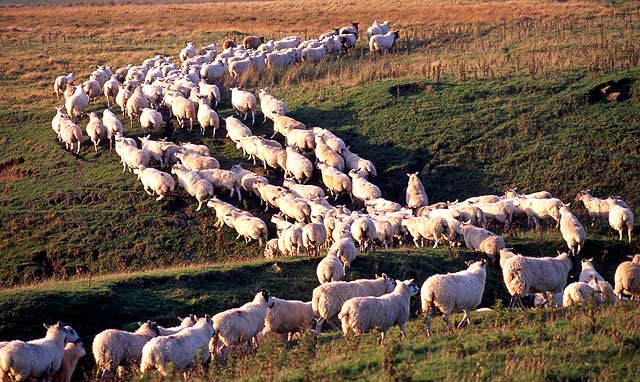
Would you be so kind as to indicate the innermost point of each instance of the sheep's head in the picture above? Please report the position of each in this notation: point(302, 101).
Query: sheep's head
point(265, 295)
point(511, 193)
point(409, 285)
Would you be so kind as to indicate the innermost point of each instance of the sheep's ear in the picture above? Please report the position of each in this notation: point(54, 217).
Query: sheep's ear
point(140, 323)
point(384, 275)
point(589, 260)
point(468, 262)
point(180, 318)
point(46, 326)
point(568, 204)
point(558, 252)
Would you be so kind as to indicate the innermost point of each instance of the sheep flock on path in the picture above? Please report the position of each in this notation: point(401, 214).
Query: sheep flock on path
point(306, 222)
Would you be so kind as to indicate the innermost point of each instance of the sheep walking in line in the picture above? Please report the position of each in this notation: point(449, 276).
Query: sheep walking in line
point(362, 314)
point(454, 292)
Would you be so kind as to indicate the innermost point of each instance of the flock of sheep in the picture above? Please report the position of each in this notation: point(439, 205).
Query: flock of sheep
point(305, 222)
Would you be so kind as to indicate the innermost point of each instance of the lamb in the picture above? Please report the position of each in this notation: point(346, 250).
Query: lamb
point(225, 179)
point(479, 239)
point(571, 229)
point(196, 162)
point(314, 235)
point(271, 250)
point(135, 104)
point(181, 350)
point(243, 102)
point(354, 162)
point(454, 292)
point(92, 88)
point(130, 155)
point(187, 52)
point(579, 293)
point(301, 139)
point(60, 84)
point(330, 268)
point(95, 130)
point(361, 188)
point(195, 186)
point(76, 103)
point(361, 314)
point(363, 230)
point(328, 298)
point(186, 322)
point(113, 348)
point(335, 181)
point(627, 278)
point(234, 326)
point(70, 133)
point(303, 190)
point(298, 166)
point(112, 125)
point(72, 354)
point(236, 129)
point(270, 105)
point(529, 275)
point(37, 359)
point(288, 317)
point(598, 208)
point(155, 181)
point(283, 125)
point(150, 119)
point(620, 218)
point(248, 227)
point(383, 43)
point(416, 196)
point(324, 154)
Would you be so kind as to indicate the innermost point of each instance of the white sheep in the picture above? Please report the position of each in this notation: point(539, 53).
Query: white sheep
point(383, 43)
point(112, 125)
point(305, 191)
point(60, 84)
point(72, 354)
point(70, 133)
point(620, 218)
point(423, 228)
point(362, 314)
point(579, 293)
point(150, 119)
point(212, 92)
point(113, 348)
point(110, 90)
point(188, 51)
point(469, 213)
point(225, 179)
point(92, 88)
point(221, 209)
point(298, 166)
point(572, 231)
point(500, 211)
point(479, 239)
point(199, 188)
point(196, 149)
point(207, 117)
point(416, 195)
point(328, 298)
point(290, 241)
point(363, 230)
point(269, 194)
point(122, 97)
point(301, 139)
point(76, 103)
point(314, 236)
point(330, 268)
point(288, 317)
point(236, 129)
point(197, 162)
point(335, 181)
point(95, 130)
point(36, 359)
point(183, 109)
point(355, 162)
point(270, 105)
point(243, 102)
point(335, 143)
point(283, 124)
point(135, 103)
point(529, 275)
point(181, 350)
point(243, 324)
point(361, 188)
point(589, 272)
point(155, 181)
point(454, 292)
point(248, 227)
point(186, 322)
point(381, 206)
point(627, 278)
point(56, 122)
point(325, 154)
point(293, 207)
point(541, 209)
point(597, 208)
point(130, 155)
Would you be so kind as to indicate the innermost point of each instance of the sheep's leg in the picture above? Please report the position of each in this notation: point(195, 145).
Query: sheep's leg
point(464, 319)
point(146, 189)
point(445, 317)
point(428, 321)
point(191, 125)
point(512, 303)
point(620, 232)
point(199, 205)
point(159, 198)
point(403, 332)
point(253, 117)
point(319, 325)
point(629, 231)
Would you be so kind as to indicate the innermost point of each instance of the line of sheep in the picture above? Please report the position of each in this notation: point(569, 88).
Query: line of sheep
point(361, 306)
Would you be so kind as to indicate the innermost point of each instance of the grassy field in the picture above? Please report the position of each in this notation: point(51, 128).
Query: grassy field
point(478, 97)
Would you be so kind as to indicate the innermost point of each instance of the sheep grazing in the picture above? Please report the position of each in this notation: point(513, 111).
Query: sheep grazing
point(328, 298)
point(288, 317)
point(335, 181)
point(479, 239)
point(113, 348)
point(627, 278)
point(182, 350)
point(76, 103)
point(95, 130)
point(150, 119)
point(37, 359)
point(362, 314)
point(207, 117)
point(155, 182)
point(60, 84)
point(234, 327)
point(70, 133)
point(572, 231)
point(187, 52)
point(416, 196)
point(330, 268)
point(579, 293)
point(383, 43)
point(248, 227)
point(186, 322)
point(72, 354)
point(199, 188)
point(112, 125)
point(270, 105)
point(243, 102)
point(530, 275)
point(252, 42)
point(454, 292)
point(345, 250)
point(620, 218)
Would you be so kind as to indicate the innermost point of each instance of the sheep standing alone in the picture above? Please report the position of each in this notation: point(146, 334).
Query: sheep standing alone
point(37, 359)
point(328, 298)
point(627, 278)
point(361, 314)
point(181, 350)
point(288, 317)
point(620, 218)
point(330, 268)
point(416, 196)
point(454, 292)
point(572, 231)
